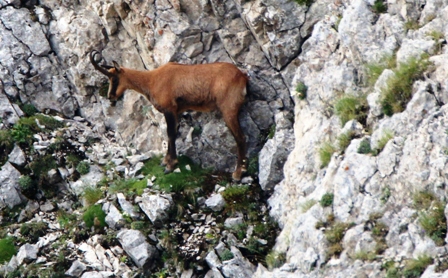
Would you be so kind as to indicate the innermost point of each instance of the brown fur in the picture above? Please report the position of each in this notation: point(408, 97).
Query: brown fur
point(175, 88)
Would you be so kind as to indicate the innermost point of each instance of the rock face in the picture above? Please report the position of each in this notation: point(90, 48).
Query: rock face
point(327, 47)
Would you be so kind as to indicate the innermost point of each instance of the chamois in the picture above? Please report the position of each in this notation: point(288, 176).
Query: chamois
point(174, 88)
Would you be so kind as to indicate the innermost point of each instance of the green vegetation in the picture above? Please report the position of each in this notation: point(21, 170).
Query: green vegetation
point(434, 222)
point(41, 165)
point(275, 259)
point(301, 90)
point(364, 147)
point(83, 167)
point(383, 140)
point(327, 200)
point(415, 267)
point(345, 139)
point(307, 205)
point(326, 151)
point(374, 70)
point(385, 194)
point(411, 24)
point(365, 256)
point(271, 132)
point(176, 182)
point(398, 91)
point(431, 216)
point(438, 38)
point(379, 7)
point(22, 134)
point(6, 145)
point(350, 107)
point(27, 185)
point(334, 235)
point(94, 216)
point(32, 231)
point(236, 197)
point(92, 195)
point(29, 109)
point(304, 2)
point(7, 249)
point(128, 186)
point(226, 255)
point(252, 168)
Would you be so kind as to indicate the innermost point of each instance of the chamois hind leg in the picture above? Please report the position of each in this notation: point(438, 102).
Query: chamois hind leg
point(234, 126)
point(170, 159)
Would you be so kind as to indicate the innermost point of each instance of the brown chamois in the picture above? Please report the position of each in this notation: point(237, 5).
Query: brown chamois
point(174, 88)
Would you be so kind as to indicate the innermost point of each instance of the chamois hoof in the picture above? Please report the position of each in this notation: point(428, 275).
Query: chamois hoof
point(236, 176)
point(167, 171)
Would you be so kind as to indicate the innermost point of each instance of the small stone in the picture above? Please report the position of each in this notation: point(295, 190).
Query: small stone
point(177, 170)
point(215, 202)
point(76, 269)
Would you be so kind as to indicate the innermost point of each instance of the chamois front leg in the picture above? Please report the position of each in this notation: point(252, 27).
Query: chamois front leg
point(234, 126)
point(170, 160)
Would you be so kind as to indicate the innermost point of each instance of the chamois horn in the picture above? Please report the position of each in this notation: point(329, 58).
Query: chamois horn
point(98, 67)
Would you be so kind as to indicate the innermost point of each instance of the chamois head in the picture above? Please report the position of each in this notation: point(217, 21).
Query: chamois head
point(113, 73)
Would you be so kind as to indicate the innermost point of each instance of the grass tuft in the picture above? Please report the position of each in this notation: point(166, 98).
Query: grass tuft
point(7, 249)
point(176, 182)
point(326, 151)
point(94, 216)
point(351, 107)
point(398, 91)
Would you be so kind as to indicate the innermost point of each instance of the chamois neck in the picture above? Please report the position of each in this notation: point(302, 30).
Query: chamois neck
point(136, 80)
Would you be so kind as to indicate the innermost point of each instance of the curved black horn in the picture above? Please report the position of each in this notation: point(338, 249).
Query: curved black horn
point(98, 67)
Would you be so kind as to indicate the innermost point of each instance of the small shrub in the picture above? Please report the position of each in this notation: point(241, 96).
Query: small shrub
point(434, 222)
point(334, 235)
point(26, 184)
point(22, 134)
point(41, 165)
point(236, 197)
point(7, 249)
point(327, 200)
point(83, 167)
point(422, 200)
point(379, 7)
point(326, 151)
point(239, 231)
point(411, 25)
point(365, 256)
point(374, 70)
point(176, 182)
point(301, 90)
point(384, 139)
point(94, 216)
point(226, 255)
point(345, 139)
point(252, 168)
point(129, 186)
point(304, 2)
point(72, 160)
point(385, 194)
point(29, 109)
point(34, 230)
point(438, 38)
point(398, 92)
point(364, 147)
point(92, 195)
point(415, 267)
point(271, 132)
point(275, 260)
point(351, 107)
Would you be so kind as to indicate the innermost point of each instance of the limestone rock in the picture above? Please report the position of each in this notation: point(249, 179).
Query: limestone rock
point(27, 253)
point(135, 245)
point(216, 202)
point(156, 206)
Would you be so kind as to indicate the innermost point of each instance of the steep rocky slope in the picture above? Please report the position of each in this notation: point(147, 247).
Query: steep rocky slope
point(345, 114)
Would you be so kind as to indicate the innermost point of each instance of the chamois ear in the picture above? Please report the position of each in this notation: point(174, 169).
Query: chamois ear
point(117, 67)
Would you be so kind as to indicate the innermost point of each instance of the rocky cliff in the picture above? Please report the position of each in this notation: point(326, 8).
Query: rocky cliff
point(345, 116)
